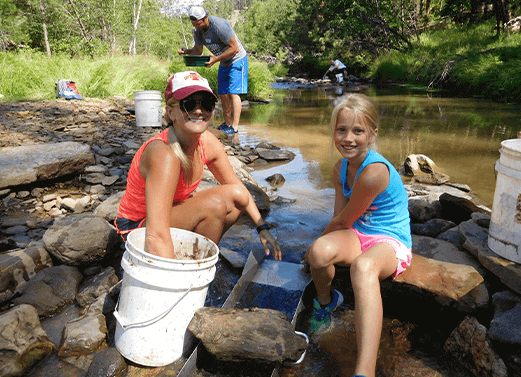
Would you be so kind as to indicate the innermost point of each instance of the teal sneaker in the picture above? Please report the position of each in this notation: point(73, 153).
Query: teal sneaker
point(320, 320)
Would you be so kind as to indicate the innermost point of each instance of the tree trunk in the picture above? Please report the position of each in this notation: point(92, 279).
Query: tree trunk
point(80, 22)
point(45, 34)
point(132, 47)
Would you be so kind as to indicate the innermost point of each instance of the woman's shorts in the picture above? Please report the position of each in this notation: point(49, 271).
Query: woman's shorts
point(403, 253)
point(125, 226)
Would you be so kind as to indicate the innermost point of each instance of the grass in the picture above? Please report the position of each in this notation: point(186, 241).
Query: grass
point(32, 76)
point(471, 61)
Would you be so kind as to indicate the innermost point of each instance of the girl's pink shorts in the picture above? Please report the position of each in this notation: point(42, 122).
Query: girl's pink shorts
point(403, 253)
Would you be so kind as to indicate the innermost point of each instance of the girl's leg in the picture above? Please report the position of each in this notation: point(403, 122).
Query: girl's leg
point(340, 247)
point(211, 212)
point(375, 264)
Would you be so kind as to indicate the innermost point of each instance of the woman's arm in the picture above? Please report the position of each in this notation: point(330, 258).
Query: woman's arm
point(373, 180)
point(222, 170)
point(161, 170)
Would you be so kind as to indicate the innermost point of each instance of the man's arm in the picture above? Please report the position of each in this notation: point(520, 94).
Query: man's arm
point(196, 50)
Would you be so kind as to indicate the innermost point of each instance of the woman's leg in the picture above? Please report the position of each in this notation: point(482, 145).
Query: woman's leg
point(375, 264)
point(340, 247)
point(211, 212)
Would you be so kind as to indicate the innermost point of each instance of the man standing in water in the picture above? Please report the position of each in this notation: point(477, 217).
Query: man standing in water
point(219, 37)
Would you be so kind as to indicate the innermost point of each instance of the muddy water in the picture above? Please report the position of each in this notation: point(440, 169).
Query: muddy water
point(462, 136)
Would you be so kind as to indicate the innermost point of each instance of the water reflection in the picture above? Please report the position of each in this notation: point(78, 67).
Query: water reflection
point(462, 136)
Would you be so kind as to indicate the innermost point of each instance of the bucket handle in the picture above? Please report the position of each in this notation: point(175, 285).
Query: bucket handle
point(150, 321)
point(303, 354)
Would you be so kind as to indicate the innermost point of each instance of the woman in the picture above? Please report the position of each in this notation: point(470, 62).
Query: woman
point(168, 168)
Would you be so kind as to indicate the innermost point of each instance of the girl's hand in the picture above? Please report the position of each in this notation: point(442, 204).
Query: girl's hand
point(268, 239)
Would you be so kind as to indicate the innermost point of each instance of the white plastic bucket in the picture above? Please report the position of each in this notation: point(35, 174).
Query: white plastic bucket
point(504, 237)
point(147, 104)
point(159, 297)
point(339, 77)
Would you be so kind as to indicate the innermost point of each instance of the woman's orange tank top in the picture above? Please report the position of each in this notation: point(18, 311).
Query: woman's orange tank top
point(132, 205)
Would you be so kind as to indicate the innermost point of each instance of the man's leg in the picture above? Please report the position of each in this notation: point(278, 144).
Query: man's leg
point(226, 102)
point(237, 108)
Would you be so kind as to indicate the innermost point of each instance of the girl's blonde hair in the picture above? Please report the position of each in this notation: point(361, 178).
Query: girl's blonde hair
point(173, 141)
point(364, 111)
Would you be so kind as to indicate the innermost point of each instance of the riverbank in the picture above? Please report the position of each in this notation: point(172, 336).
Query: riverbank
point(456, 275)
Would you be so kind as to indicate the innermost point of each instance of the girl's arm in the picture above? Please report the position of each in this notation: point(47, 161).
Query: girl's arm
point(373, 180)
point(161, 170)
point(222, 170)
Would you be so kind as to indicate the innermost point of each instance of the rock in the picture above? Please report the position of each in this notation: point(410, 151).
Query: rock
point(51, 289)
point(81, 239)
point(432, 178)
point(260, 197)
point(451, 275)
point(83, 335)
point(432, 228)
point(476, 243)
point(416, 164)
point(17, 267)
point(108, 363)
point(275, 155)
point(108, 209)
point(459, 208)
point(96, 286)
point(505, 327)
point(276, 180)
point(468, 343)
point(28, 164)
point(264, 334)
point(421, 210)
point(22, 340)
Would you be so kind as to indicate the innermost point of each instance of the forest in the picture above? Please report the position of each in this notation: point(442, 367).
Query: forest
point(434, 43)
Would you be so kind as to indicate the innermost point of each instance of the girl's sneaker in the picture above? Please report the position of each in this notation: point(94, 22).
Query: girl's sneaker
point(320, 320)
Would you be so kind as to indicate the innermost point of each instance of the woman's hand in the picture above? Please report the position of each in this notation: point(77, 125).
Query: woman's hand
point(268, 239)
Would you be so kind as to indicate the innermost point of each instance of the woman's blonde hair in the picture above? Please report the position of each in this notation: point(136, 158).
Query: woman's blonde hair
point(364, 111)
point(173, 141)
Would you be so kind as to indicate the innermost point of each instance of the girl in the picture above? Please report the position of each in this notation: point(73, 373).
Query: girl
point(168, 168)
point(369, 231)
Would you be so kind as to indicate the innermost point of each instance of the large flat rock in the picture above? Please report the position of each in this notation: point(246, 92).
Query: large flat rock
point(31, 163)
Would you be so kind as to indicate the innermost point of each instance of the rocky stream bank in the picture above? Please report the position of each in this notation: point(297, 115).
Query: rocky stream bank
point(63, 170)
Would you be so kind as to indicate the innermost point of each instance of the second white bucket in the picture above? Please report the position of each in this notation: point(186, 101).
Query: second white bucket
point(147, 104)
point(159, 297)
point(504, 234)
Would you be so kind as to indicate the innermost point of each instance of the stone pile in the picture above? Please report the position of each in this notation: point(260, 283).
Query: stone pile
point(59, 252)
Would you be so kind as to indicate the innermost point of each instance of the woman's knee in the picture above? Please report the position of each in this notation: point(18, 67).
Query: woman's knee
point(241, 197)
point(215, 205)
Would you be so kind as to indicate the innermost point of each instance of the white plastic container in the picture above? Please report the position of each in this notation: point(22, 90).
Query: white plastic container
point(504, 236)
point(339, 77)
point(147, 104)
point(159, 297)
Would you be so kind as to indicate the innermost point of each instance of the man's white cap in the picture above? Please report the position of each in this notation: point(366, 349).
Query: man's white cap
point(197, 12)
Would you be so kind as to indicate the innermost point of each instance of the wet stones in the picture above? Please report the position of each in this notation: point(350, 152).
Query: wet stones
point(19, 266)
point(51, 289)
point(22, 340)
point(263, 334)
point(81, 239)
point(28, 164)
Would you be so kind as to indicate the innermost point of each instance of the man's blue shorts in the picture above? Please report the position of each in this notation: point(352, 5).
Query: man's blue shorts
point(234, 78)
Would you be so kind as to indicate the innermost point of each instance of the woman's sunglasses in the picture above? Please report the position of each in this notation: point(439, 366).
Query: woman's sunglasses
point(188, 104)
